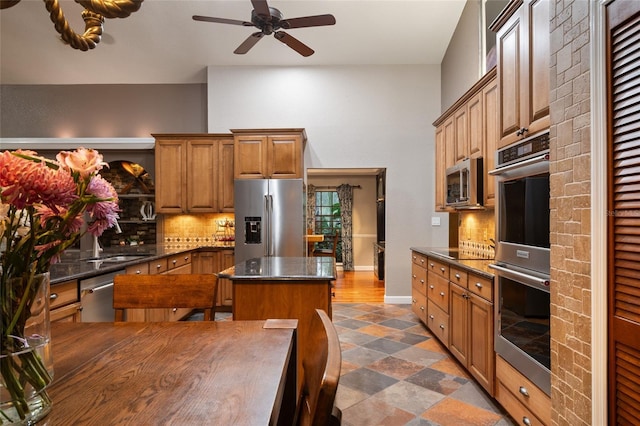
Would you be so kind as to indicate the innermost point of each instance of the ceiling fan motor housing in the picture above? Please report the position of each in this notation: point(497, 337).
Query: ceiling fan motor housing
point(268, 24)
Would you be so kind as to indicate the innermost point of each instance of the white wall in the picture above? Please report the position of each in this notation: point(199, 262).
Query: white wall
point(355, 116)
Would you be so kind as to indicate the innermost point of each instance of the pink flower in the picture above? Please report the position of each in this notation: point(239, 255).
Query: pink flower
point(83, 161)
point(26, 182)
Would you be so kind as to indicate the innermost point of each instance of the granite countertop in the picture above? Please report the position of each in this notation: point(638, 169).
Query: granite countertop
point(478, 266)
point(73, 266)
point(282, 269)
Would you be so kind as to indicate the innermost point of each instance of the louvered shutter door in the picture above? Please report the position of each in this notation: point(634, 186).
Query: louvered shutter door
point(623, 19)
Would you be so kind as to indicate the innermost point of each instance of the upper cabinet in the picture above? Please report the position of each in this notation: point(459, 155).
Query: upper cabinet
point(194, 173)
point(468, 129)
point(269, 153)
point(522, 42)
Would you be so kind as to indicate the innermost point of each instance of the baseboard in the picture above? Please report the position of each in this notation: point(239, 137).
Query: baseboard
point(397, 300)
point(363, 268)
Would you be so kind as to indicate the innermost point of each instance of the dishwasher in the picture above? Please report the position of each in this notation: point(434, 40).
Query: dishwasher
point(96, 296)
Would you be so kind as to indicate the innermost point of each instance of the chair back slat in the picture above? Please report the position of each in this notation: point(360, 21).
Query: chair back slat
point(321, 375)
point(195, 291)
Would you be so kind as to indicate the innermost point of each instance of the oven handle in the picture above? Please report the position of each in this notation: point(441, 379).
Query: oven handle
point(525, 278)
point(534, 160)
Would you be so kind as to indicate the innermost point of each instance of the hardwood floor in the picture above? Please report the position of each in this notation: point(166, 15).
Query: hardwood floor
point(358, 287)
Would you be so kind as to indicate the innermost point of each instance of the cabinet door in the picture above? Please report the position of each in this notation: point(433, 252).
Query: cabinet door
point(538, 55)
point(481, 357)
point(449, 143)
point(284, 157)
point(250, 157)
point(225, 288)
point(439, 169)
point(171, 176)
point(458, 320)
point(202, 176)
point(225, 176)
point(461, 134)
point(475, 120)
point(491, 137)
point(509, 45)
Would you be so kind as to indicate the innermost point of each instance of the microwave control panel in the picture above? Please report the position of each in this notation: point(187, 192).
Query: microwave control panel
point(523, 149)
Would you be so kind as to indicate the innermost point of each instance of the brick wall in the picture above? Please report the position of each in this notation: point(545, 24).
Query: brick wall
point(570, 213)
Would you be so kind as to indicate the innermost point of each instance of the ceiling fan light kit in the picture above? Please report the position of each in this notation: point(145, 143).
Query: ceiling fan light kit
point(269, 20)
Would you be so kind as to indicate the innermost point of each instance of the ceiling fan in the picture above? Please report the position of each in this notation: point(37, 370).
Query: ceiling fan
point(269, 21)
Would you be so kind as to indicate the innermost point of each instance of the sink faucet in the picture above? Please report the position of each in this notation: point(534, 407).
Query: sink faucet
point(96, 249)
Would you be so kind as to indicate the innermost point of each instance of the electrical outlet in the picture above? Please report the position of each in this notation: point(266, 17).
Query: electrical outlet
point(435, 221)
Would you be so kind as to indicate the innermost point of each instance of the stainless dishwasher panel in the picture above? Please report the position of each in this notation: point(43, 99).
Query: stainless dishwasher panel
point(96, 296)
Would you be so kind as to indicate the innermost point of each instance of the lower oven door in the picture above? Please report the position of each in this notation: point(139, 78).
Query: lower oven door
point(522, 324)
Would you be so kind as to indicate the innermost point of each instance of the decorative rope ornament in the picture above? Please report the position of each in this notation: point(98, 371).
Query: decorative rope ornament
point(94, 15)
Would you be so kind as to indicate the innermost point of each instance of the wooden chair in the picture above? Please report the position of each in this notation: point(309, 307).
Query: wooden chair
point(195, 291)
point(321, 373)
point(331, 252)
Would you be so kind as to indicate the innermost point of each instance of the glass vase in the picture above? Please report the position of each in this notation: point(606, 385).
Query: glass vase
point(26, 364)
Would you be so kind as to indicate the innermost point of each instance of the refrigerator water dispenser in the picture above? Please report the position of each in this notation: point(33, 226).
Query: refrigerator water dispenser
point(253, 230)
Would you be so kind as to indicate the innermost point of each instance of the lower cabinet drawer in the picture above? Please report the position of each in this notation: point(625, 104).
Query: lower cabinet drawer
point(438, 322)
point(438, 291)
point(63, 294)
point(518, 411)
point(419, 305)
point(514, 388)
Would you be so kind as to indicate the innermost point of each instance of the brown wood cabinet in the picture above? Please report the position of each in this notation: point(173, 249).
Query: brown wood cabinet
point(468, 129)
point(520, 397)
point(523, 50)
point(419, 286)
point(269, 153)
point(471, 318)
point(64, 303)
point(459, 312)
point(194, 173)
point(212, 262)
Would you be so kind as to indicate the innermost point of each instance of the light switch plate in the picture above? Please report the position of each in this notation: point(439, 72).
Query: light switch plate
point(435, 221)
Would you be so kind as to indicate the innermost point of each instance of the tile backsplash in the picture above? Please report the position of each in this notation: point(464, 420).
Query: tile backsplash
point(186, 231)
point(477, 231)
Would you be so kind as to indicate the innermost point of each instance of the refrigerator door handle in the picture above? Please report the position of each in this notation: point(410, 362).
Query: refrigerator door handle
point(266, 229)
point(269, 246)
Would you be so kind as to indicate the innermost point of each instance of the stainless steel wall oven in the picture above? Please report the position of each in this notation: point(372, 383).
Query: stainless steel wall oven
point(522, 266)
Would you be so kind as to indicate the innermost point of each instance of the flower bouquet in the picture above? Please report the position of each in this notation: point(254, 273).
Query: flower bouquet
point(43, 207)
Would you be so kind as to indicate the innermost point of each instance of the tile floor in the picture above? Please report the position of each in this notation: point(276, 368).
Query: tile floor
point(395, 373)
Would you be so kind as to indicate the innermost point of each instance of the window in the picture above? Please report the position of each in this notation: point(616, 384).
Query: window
point(327, 219)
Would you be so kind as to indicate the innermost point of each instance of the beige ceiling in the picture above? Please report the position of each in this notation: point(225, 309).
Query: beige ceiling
point(162, 44)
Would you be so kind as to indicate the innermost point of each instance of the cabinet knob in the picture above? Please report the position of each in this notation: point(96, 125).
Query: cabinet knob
point(442, 269)
point(421, 260)
point(526, 421)
point(431, 317)
point(186, 258)
point(158, 266)
point(524, 391)
point(431, 287)
point(478, 285)
point(457, 276)
point(53, 296)
point(415, 301)
point(414, 277)
point(138, 271)
point(442, 326)
point(431, 265)
point(422, 281)
point(175, 261)
point(442, 293)
point(175, 309)
point(422, 308)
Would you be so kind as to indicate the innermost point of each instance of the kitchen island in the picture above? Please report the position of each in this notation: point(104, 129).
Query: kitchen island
point(283, 287)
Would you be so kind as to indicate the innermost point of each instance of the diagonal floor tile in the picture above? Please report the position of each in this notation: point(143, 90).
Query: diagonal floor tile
point(366, 380)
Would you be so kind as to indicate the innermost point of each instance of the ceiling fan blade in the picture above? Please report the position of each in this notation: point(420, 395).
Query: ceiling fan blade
point(248, 43)
point(294, 43)
point(221, 20)
point(261, 7)
point(308, 21)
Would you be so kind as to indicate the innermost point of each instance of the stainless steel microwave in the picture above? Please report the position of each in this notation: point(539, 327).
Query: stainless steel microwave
point(464, 184)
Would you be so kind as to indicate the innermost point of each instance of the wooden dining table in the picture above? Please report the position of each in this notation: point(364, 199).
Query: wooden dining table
point(311, 240)
point(178, 373)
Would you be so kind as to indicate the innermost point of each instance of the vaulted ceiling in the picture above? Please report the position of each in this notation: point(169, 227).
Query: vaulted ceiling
point(161, 44)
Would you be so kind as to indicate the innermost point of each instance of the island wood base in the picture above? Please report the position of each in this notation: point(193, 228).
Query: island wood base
point(257, 299)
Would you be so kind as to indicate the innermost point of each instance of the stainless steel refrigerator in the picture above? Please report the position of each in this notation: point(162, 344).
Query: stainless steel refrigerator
point(269, 218)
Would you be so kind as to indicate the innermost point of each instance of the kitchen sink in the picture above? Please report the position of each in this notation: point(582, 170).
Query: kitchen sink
point(118, 258)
